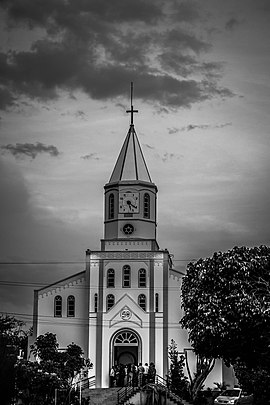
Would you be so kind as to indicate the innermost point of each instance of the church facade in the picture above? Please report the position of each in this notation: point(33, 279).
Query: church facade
point(124, 307)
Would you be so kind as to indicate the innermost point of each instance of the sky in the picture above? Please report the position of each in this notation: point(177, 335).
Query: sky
point(201, 84)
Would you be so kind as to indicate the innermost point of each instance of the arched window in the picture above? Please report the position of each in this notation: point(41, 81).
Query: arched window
point(146, 205)
point(142, 278)
point(142, 301)
point(58, 306)
point(156, 302)
point(126, 276)
point(71, 305)
point(95, 302)
point(126, 338)
point(110, 301)
point(111, 206)
point(110, 278)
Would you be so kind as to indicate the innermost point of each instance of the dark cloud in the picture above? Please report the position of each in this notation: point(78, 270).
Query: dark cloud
point(161, 110)
point(30, 149)
point(231, 24)
point(77, 114)
point(191, 127)
point(99, 46)
point(6, 98)
point(148, 146)
point(80, 114)
point(173, 130)
point(167, 156)
point(75, 13)
point(175, 38)
point(178, 63)
point(90, 156)
point(186, 11)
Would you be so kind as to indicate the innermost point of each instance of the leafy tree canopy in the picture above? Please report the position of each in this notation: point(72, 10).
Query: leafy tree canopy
point(12, 338)
point(53, 369)
point(226, 300)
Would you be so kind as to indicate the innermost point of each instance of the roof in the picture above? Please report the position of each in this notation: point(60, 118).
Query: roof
point(130, 164)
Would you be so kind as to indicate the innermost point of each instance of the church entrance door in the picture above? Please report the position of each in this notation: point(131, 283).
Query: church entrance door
point(126, 348)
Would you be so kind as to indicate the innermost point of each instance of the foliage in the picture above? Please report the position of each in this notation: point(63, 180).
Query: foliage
point(204, 367)
point(178, 380)
point(221, 386)
point(226, 299)
point(255, 380)
point(53, 369)
point(12, 339)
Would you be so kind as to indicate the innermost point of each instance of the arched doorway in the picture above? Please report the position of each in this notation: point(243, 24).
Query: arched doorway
point(125, 347)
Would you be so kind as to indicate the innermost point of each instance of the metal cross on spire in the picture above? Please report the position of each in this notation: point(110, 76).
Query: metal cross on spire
point(131, 111)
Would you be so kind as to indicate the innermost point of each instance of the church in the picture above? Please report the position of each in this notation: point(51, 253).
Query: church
point(124, 307)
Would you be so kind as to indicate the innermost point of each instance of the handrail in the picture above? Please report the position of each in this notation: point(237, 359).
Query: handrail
point(90, 381)
point(165, 384)
point(83, 384)
point(124, 392)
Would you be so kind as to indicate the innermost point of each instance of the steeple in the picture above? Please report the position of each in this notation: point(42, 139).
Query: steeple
point(130, 198)
point(130, 164)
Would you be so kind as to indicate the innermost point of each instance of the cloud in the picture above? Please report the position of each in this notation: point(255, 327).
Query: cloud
point(148, 146)
point(77, 114)
point(179, 38)
point(185, 11)
point(6, 98)
point(167, 156)
point(66, 13)
point(173, 130)
point(90, 156)
point(231, 24)
point(80, 114)
point(191, 127)
point(30, 149)
point(99, 46)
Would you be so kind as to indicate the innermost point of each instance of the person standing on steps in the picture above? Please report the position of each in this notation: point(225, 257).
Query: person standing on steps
point(145, 374)
point(152, 373)
point(112, 377)
point(140, 375)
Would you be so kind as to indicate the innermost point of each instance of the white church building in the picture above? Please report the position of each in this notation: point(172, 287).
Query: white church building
point(124, 307)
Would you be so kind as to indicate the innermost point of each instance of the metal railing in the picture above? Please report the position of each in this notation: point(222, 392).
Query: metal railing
point(125, 393)
point(166, 385)
point(81, 386)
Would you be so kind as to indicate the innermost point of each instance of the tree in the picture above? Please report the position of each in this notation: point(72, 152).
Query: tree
point(178, 381)
point(254, 380)
point(53, 369)
point(226, 301)
point(12, 339)
point(203, 368)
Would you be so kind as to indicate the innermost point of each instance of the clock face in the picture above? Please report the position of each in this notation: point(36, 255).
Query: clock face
point(128, 202)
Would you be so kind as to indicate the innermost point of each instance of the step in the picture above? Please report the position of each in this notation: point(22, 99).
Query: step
point(101, 396)
point(140, 397)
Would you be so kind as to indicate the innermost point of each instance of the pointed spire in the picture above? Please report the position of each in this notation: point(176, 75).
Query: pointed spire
point(130, 164)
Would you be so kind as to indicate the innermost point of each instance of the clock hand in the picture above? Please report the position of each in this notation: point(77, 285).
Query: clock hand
point(129, 203)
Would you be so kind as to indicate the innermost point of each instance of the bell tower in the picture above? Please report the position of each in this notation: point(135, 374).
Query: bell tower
point(130, 217)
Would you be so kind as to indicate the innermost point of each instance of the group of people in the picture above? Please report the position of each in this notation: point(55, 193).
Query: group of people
point(132, 375)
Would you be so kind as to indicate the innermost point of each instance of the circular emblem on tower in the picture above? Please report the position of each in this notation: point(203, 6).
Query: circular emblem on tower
point(128, 229)
point(125, 314)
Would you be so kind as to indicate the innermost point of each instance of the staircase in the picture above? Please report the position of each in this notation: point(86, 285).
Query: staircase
point(101, 396)
point(125, 395)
